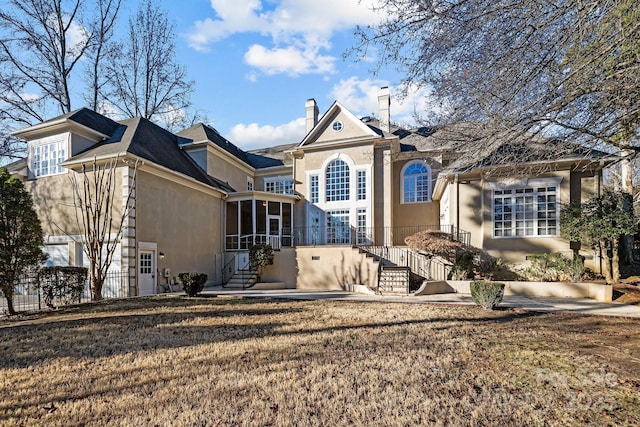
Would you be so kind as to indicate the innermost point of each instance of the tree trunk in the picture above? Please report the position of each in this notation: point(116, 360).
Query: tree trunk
point(607, 262)
point(10, 308)
point(615, 262)
point(96, 285)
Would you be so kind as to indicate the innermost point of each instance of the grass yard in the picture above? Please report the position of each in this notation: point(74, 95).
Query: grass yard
point(172, 361)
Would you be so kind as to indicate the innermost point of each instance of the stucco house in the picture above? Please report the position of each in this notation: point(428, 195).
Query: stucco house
point(353, 186)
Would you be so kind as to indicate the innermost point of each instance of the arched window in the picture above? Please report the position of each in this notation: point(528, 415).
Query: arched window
point(337, 181)
point(416, 183)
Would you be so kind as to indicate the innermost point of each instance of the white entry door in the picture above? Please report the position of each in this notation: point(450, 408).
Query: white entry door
point(147, 271)
point(273, 231)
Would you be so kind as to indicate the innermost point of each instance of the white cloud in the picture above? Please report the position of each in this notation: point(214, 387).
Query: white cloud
point(252, 76)
point(360, 96)
point(290, 60)
point(299, 30)
point(256, 136)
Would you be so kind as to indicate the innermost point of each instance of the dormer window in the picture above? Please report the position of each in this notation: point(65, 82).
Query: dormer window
point(46, 156)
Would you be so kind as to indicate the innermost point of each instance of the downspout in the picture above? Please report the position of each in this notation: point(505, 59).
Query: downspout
point(457, 182)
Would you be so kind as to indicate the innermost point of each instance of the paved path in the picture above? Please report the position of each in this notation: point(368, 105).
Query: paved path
point(573, 305)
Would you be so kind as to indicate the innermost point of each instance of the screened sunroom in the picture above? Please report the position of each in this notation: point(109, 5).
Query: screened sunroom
point(258, 217)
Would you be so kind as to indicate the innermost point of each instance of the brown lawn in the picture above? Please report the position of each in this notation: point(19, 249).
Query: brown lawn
point(172, 361)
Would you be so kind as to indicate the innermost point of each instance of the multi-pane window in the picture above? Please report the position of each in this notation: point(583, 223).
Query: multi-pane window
point(315, 189)
point(337, 181)
point(361, 183)
point(525, 212)
point(338, 230)
point(249, 184)
point(145, 263)
point(47, 158)
point(279, 186)
point(364, 234)
point(415, 179)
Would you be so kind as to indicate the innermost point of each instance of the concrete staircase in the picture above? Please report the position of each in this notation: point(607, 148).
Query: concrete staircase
point(394, 279)
point(242, 279)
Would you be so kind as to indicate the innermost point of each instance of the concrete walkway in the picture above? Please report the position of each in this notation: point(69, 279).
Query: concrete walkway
point(571, 305)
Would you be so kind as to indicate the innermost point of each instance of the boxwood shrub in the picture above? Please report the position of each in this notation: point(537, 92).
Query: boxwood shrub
point(487, 294)
point(61, 284)
point(192, 283)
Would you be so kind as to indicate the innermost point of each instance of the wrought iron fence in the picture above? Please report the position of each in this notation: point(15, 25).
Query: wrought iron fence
point(370, 236)
point(27, 295)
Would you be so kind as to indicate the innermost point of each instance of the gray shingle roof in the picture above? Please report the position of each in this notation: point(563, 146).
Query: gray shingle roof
point(88, 118)
point(271, 156)
point(149, 141)
point(258, 159)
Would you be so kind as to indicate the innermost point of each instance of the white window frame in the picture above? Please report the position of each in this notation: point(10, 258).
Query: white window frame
point(352, 204)
point(61, 143)
point(402, 179)
point(314, 188)
point(333, 196)
point(279, 184)
point(362, 173)
point(250, 183)
point(514, 187)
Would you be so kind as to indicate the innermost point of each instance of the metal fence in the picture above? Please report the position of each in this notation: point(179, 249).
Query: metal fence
point(27, 295)
point(343, 234)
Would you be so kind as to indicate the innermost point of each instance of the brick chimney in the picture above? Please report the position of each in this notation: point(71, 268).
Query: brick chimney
point(384, 105)
point(312, 113)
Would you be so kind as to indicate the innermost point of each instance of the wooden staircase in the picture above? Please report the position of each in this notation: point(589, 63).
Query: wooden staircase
point(242, 279)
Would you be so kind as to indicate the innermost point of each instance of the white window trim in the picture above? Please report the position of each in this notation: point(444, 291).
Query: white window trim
point(429, 182)
point(54, 139)
point(513, 184)
point(250, 183)
point(282, 179)
point(352, 204)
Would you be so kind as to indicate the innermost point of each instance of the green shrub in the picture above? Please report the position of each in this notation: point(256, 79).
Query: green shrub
point(261, 255)
point(554, 267)
point(487, 294)
point(64, 284)
point(192, 283)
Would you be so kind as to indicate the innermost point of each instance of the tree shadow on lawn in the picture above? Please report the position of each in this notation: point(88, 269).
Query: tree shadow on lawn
point(83, 343)
point(119, 333)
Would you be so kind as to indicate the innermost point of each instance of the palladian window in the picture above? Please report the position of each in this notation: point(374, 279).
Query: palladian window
point(337, 181)
point(416, 183)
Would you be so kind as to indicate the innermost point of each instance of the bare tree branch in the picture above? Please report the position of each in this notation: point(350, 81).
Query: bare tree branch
point(96, 199)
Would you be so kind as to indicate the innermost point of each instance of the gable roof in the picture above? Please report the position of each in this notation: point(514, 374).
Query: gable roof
point(84, 117)
point(323, 123)
point(271, 156)
point(142, 138)
point(258, 159)
point(201, 132)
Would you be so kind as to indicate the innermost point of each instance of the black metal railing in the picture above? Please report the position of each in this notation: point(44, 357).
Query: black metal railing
point(27, 295)
point(370, 236)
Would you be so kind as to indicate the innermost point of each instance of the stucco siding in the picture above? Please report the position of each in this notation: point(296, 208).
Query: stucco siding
point(184, 222)
point(227, 171)
point(54, 202)
point(334, 268)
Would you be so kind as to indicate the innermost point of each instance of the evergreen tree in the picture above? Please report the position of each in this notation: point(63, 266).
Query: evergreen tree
point(21, 235)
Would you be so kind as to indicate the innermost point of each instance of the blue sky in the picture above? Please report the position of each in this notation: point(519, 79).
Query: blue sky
point(255, 63)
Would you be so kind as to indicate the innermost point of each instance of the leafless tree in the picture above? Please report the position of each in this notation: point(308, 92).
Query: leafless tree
point(101, 209)
point(146, 80)
point(47, 47)
point(566, 68)
point(40, 46)
point(103, 28)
